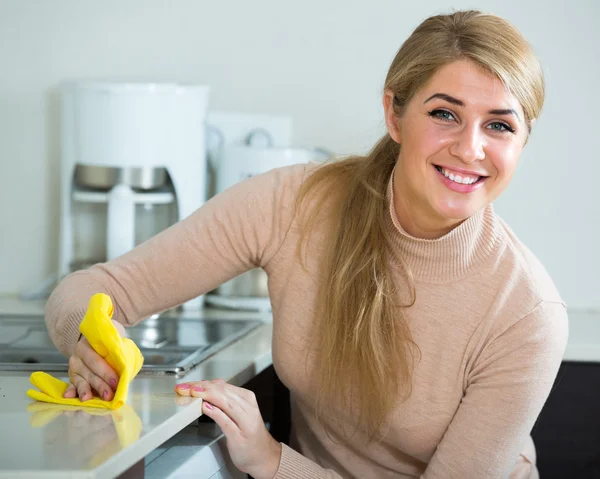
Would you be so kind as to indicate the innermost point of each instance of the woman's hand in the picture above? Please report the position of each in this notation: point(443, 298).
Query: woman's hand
point(89, 372)
point(252, 449)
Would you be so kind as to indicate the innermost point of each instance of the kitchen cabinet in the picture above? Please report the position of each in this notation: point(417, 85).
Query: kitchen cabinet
point(199, 451)
point(567, 432)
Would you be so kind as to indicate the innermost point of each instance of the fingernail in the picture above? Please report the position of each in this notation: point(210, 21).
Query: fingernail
point(105, 395)
point(113, 383)
point(208, 405)
point(184, 386)
point(199, 389)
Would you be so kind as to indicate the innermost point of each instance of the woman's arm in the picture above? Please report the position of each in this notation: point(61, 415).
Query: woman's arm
point(238, 230)
point(507, 389)
point(251, 448)
point(293, 465)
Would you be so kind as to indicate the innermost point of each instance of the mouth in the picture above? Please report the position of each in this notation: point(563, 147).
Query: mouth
point(460, 178)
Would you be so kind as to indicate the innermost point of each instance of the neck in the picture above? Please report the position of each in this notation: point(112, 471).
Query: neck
point(441, 255)
point(416, 220)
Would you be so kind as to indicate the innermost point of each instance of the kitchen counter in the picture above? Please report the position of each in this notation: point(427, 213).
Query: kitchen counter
point(43, 440)
point(47, 440)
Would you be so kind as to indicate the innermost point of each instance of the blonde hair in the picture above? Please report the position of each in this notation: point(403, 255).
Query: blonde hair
point(365, 353)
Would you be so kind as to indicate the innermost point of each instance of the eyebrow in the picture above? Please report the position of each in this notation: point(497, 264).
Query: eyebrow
point(456, 101)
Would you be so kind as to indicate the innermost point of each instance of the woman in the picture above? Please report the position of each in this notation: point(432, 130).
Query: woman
point(417, 335)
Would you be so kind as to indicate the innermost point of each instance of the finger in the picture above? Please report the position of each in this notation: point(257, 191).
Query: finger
point(84, 391)
point(79, 368)
point(244, 397)
point(229, 427)
point(227, 400)
point(97, 364)
point(71, 392)
point(183, 389)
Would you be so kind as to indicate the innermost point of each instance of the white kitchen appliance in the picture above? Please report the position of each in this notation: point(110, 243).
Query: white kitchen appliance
point(233, 164)
point(133, 162)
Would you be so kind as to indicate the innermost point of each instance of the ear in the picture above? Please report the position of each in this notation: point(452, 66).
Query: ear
point(392, 122)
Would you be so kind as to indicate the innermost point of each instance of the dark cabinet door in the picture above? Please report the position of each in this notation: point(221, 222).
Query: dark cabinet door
point(567, 433)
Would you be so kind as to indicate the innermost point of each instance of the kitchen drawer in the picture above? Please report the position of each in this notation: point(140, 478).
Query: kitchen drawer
point(199, 452)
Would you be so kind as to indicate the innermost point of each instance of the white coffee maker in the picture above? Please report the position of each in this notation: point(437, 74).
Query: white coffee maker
point(133, 162)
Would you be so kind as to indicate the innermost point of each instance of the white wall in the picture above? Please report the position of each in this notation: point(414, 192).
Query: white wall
point(322, 62)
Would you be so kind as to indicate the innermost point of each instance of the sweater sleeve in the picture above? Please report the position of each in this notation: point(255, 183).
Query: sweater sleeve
point(506, 391)
point(235, 231)
point(294, 465)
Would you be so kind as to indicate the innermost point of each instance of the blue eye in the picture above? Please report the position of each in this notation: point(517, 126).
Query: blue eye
point(443, 115)
point(502, 127)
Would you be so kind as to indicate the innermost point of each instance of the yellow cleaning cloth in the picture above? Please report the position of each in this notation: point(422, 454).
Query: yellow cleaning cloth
point(120, 353)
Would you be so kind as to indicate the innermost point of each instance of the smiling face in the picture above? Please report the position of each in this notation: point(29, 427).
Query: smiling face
point(461, 136)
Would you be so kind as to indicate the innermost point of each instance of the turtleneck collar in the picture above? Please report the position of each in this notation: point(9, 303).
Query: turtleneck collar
point(451, 256)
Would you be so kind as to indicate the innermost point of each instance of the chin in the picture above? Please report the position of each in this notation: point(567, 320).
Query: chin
point(457, 213)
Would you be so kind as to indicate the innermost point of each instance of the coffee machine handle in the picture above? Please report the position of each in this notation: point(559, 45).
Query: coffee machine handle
point(260, 138)
point(120, 231)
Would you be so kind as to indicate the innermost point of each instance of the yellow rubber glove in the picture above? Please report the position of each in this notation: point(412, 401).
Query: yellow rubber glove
point(120, 353)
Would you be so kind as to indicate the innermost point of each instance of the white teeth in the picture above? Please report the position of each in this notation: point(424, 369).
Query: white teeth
point(465, 180)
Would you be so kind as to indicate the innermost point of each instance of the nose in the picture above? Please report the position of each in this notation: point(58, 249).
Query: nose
point(469, 145)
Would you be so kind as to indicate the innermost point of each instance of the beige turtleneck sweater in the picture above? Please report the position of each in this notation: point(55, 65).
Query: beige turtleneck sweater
point(488, 321)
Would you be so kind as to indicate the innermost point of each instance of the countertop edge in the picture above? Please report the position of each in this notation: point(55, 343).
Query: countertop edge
point(146, 444)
